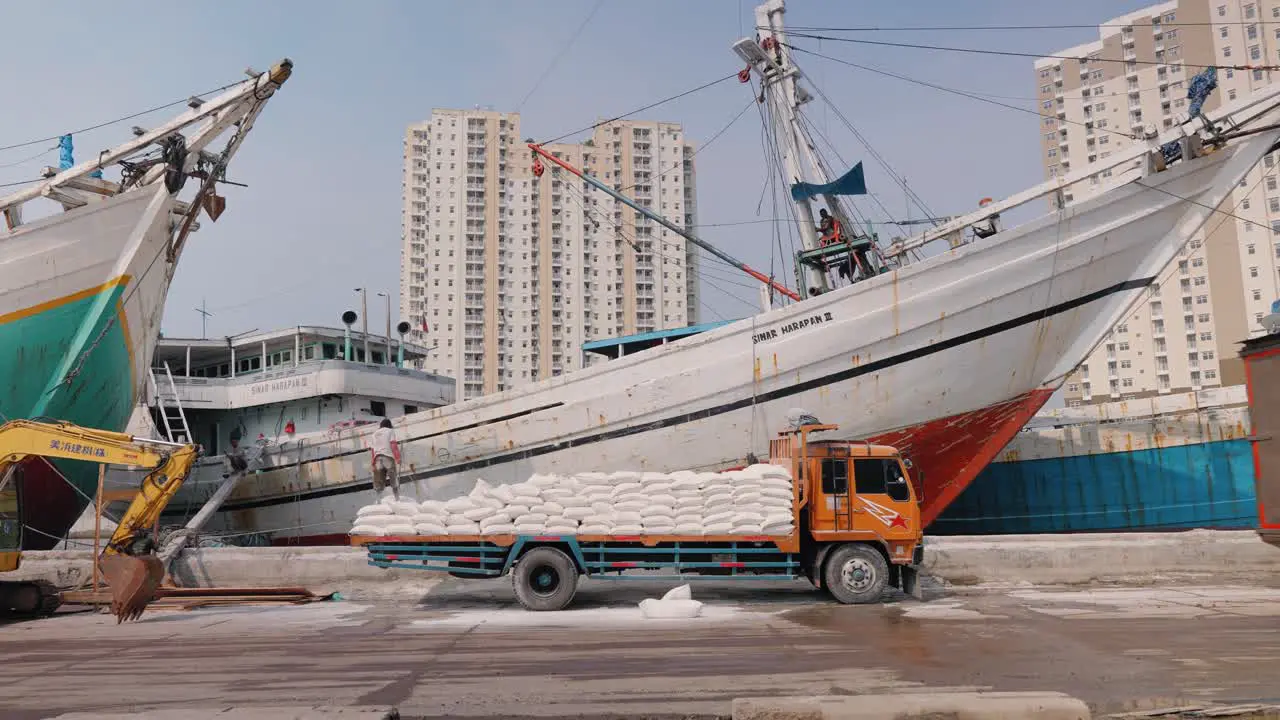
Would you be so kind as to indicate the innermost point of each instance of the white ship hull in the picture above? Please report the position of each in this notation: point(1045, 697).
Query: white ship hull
point(946, 358)
point(82, 291)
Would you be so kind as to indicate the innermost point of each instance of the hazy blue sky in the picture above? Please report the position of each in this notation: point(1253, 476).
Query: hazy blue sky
point(321, 214)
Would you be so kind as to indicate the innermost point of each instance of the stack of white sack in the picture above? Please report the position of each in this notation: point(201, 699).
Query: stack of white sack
point(388, 517)
point(753, 501)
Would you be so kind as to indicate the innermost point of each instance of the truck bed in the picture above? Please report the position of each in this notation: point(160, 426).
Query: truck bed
point(757, 556)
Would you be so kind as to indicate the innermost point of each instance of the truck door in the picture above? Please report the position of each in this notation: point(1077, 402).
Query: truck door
point(833, 509)
point(883, 495)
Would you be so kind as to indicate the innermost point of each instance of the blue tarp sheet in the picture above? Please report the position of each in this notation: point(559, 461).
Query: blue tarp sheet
point(853, 183)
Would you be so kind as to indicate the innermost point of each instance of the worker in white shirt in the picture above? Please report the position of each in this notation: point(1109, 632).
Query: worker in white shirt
point(386, 459)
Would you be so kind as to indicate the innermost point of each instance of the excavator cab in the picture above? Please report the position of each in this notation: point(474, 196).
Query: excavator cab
point(128, 561)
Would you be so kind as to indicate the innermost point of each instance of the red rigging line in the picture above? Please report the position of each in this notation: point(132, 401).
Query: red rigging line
point(538, 169)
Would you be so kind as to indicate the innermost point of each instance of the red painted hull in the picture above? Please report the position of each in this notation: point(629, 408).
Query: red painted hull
point(50, 505)
point(946, 454)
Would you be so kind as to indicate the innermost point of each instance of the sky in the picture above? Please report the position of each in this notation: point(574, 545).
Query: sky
point(321, 214)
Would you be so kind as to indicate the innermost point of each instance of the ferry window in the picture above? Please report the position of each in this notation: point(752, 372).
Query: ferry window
point(835, 476)
point(410, 409)
point(377, 407)
point(330, 351)
point(224, 369)
point(255, 363)
point(880, 476)
point(286, 356)
point(309, 352)
point(377, 357)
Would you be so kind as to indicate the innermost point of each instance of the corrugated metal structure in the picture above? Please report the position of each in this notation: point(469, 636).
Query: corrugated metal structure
point(1164, 463)
point(1262, 367)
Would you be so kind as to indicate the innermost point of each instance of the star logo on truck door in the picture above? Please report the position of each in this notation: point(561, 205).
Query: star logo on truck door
point(891, 518)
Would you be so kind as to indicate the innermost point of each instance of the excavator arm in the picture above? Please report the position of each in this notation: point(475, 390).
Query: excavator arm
point(128, 561)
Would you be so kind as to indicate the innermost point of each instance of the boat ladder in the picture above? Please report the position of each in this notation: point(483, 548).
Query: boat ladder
point(171, 412)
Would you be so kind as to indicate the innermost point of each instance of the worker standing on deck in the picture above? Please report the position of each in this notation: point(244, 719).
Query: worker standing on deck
point(386, 458)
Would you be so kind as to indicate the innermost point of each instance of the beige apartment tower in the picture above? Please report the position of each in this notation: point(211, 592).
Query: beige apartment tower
point(1183, 335)
point(507, 274)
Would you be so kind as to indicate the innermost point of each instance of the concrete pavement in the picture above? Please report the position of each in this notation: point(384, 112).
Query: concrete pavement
point(466, 650)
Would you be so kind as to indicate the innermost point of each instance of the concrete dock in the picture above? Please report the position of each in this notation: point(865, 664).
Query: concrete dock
point(464, 649)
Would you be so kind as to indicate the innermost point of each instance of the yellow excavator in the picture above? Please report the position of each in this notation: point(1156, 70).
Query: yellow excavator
point(128, 561)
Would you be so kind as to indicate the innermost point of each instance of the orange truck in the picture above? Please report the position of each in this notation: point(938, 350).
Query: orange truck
point(856, 531)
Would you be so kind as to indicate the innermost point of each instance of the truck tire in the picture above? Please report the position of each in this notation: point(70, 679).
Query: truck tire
point(545, 579)
point(856, 574)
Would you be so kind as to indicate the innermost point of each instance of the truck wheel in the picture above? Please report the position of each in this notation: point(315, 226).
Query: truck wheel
point(545, 579)
point(856, 574)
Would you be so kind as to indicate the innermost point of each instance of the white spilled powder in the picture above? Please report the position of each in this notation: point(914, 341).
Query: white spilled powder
point(944, 611)
point(606, 617)
point(754, 501)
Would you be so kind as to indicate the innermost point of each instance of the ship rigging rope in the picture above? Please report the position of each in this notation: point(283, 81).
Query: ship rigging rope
point(680, 163)
point(704, 272)
point(1012, 53)
point(593, 126)
point(954, 91)
point(951, 28)
point(107, 123)
point(560, 55)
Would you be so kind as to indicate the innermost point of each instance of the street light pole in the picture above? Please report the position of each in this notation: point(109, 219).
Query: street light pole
point(388, 297)
point(364, 320)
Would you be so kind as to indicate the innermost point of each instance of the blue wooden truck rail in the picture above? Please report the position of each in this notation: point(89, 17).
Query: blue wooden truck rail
point(718, 560)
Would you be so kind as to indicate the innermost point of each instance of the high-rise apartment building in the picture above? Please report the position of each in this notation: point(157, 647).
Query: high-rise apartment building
point(506, 274)
point(1135, 76)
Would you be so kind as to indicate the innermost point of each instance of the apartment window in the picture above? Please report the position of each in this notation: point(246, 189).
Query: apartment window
point(1206, 355)
point(1203, 317)
point(1253, 272)
point(1223, 32)
point(1257, 294)
point(1202, 299)
point(1231, 94)
point(1206, 336)
point(1210, 374)
point(1254, 52)
point(1197, 262)
point(1127, 382)
point(1222, 10)
point(1226, 51)
point(1126, 364)
point(1122, 329)
point(1251, 249)
point(1248, 11)
point(1122, 347)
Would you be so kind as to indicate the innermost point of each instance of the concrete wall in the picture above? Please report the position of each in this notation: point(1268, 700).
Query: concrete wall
point(1039, 559)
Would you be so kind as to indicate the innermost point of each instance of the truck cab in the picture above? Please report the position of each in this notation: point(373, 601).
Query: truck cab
point(859, 517)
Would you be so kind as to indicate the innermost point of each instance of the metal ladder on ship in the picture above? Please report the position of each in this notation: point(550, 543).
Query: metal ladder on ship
point(173, 416)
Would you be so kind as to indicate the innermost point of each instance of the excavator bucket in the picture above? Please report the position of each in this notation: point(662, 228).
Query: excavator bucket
point(134, 581)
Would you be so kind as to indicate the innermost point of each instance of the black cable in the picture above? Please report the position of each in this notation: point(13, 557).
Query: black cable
point(564, 49)
point(1012, 53)
point(933, 28)
point(100, 125)
point(953, 91)
point(707, 144)
point(650, 106)
point(898, 179)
